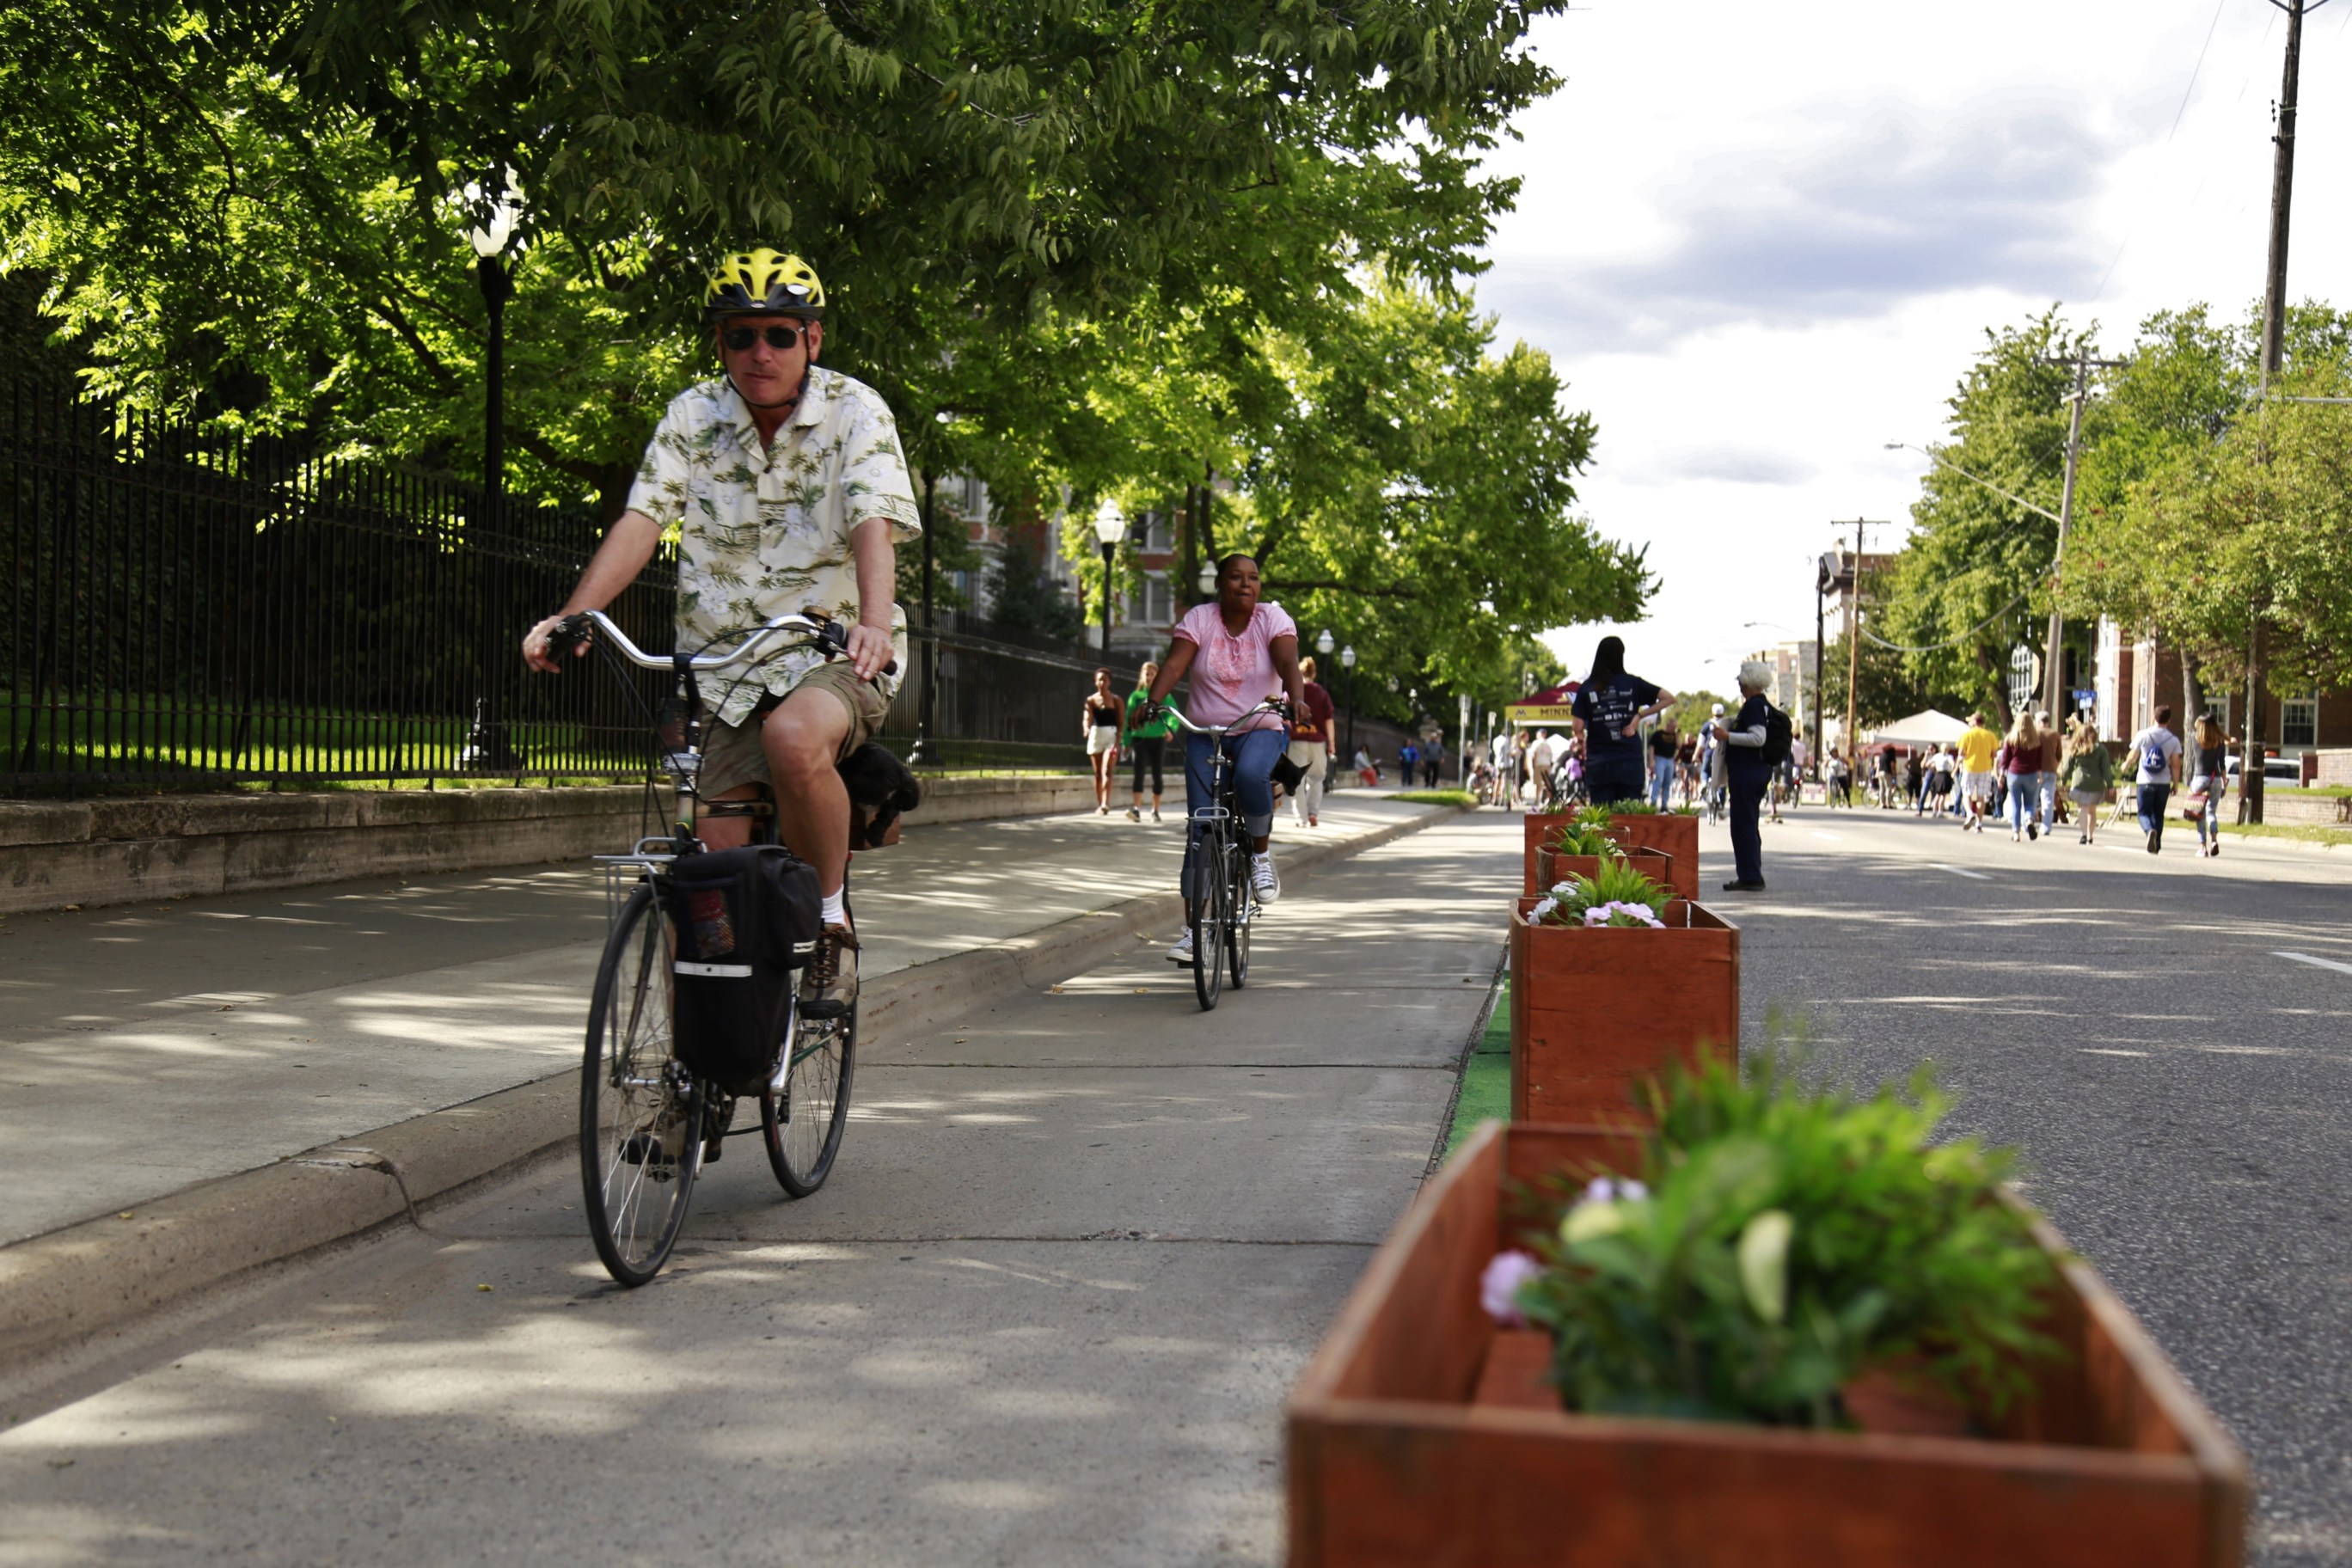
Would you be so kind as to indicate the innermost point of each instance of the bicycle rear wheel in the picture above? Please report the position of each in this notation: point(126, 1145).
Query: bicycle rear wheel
point(802, 1124)
point(640, 1110)
point(1208, 919)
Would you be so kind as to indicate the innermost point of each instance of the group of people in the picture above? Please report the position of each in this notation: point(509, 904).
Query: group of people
point(2031, 775)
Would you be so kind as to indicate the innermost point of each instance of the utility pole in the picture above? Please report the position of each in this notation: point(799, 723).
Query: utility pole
point(2249, 774)
point(1854, 635)
point(2052, 671)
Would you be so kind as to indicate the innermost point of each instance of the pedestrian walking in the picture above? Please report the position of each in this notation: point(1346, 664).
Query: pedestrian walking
point(1311, 749)
point(2047, 777)
point(1407, 762)
point(2019, 760)
point(2207, 783)
point(1747, 776)
point(2087, 774)
point(1839, 790)
point(1100, 727)
point(1979, 749)
point(1608, 713)
point(1664, 742)
point(1432, 762)
point(2157, 750)
point(1146, 741)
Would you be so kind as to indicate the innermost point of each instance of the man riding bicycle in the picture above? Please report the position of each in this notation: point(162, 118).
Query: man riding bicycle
point(1239, 652)
point(790, 493)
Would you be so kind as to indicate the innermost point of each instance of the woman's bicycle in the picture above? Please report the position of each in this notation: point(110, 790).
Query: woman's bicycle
point(1218, 901)
point(648, 1122)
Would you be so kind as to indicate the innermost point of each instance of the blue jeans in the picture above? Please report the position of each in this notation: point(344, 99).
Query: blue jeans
point(2209, 821)
point(2024, 800)
point(1612, 779)
point(1662, 781)
point(2152, 798)
point(1254, 754)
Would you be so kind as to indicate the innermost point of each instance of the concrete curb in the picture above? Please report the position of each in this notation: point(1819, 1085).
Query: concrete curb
point(68, 1287)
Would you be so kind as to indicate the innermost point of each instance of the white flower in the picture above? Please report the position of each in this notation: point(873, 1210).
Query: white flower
point(1498, 1287)
point(1542, 911)
point(1764, 1263)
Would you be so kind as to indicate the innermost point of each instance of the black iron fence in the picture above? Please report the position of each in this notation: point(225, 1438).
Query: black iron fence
point(184, 609)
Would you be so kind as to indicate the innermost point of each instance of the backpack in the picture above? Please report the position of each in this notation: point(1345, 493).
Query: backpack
point(1779, 734)
point(2152, 759)
point(745, 919)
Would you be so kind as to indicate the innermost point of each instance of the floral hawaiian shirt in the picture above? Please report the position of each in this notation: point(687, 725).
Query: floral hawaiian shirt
point(766, 530)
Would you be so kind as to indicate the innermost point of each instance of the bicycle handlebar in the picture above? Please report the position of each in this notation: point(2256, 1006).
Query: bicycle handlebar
point(572, 630)
point(1273, 705)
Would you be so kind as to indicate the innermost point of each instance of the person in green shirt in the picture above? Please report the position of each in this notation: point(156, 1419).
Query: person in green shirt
point(1145, 739)
point(2087, 774)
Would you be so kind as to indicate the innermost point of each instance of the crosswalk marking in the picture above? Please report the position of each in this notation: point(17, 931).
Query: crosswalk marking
point(1957, 871)
point(2316, 963)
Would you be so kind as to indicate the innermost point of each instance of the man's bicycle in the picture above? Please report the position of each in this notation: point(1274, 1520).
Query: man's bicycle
point(648, 1122)
point(1217, 894)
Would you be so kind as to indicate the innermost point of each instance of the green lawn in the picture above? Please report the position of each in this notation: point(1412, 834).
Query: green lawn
point(1486, 1075)
point(1436, 796)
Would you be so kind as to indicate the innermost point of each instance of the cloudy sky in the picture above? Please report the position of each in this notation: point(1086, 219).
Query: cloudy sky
point(1760, 242)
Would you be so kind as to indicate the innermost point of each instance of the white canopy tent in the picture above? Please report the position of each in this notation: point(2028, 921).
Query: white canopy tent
point(1931, 728)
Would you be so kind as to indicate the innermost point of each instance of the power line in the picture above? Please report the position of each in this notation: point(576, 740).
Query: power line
point(1949, 642)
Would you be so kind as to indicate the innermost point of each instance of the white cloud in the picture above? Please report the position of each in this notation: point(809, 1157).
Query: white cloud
point(1759, 244)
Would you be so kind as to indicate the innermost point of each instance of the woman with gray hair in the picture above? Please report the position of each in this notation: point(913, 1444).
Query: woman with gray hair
point(1747, 774)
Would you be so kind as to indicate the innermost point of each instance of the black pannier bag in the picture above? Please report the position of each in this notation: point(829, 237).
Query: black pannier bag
point(745, 919)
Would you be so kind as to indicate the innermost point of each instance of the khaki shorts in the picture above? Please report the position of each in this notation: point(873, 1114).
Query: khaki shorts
point(732, 755)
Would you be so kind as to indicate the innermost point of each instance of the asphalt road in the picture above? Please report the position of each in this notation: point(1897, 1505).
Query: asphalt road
point(2182, 1090)
point(1046, 1312)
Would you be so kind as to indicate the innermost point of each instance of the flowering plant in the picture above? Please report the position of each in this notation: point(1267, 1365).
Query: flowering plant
point(1778, 1243)
point(1616, 895)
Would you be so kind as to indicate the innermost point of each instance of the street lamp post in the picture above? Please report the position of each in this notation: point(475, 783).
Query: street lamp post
point(1348, 663)
point(487, 747)
point(1111, 527)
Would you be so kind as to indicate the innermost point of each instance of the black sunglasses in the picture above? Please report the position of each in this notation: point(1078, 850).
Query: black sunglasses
point(780, 337)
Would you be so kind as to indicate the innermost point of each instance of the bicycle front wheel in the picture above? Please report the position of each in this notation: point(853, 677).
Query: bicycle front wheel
point(803, 1125)
point(640, 1110)
point(1209, 902)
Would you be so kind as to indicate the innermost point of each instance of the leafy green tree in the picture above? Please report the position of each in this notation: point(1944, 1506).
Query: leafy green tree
point(1022, 597)
point(1973, 582)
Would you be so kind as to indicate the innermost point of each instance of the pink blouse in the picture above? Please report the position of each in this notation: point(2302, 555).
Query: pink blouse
point(1232, 675)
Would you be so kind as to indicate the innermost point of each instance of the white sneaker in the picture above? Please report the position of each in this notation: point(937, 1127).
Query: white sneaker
point(1183, 952)
point(1264, 883)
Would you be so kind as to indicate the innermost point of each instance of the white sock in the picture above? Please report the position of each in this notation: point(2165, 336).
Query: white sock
point(834, 914)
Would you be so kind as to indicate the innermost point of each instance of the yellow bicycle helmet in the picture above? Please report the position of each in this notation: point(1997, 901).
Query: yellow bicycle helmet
point(763, 283)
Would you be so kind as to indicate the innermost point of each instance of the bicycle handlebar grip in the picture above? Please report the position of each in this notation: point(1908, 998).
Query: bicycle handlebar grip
point(834, 639)
point(571, 634)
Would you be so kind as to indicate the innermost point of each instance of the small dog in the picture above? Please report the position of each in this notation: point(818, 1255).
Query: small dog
point(881, 788)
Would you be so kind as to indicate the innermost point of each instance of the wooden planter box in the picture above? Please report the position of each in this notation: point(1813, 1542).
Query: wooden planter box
point(1395, 1457)
point(1593, 1013)
point(1668, 835)
point(1553, 870)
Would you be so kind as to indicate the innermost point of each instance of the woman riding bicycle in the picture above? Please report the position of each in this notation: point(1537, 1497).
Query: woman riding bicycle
point(1239, 652)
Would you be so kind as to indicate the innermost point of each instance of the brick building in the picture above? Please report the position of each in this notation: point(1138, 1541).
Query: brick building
point(2131, 677)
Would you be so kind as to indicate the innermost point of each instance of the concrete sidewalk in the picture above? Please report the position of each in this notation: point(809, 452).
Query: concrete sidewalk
point(150, 1048)
point(1046, 1312)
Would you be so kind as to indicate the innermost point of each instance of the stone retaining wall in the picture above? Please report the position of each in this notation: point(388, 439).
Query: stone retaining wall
point(120, 852)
